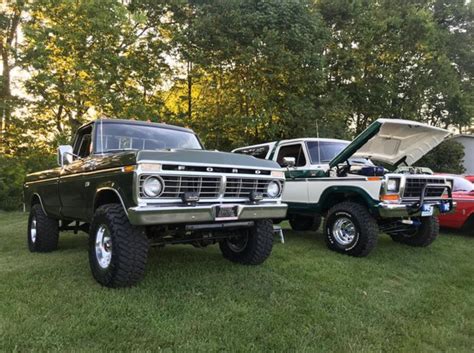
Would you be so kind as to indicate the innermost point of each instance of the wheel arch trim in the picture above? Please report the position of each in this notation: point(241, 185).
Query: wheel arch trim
point(36, 195)
point(104, 189)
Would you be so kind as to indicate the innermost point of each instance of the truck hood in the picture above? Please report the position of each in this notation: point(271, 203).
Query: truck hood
point(393, 141)
point(205, 158)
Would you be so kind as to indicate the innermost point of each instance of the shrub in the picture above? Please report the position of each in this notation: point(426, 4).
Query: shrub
point(12, 176)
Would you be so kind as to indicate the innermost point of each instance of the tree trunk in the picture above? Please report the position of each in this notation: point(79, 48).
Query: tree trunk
point(190, 91)
point(6, 99)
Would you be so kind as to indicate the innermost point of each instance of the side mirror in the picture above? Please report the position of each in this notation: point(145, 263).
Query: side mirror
point(65, 155)
point(289, 162)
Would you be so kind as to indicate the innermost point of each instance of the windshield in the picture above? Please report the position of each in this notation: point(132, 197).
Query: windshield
point(118, 137)
point(461, 184)
point(324, 151)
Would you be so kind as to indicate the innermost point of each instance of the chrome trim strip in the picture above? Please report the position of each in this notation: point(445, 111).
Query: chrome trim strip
point(41, 201)
point(92, 172)
point(41, 181)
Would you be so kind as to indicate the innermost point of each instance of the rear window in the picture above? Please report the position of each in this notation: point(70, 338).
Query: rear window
point(258, 152)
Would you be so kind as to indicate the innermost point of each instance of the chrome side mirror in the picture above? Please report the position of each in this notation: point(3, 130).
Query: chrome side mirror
point(65, 155)
point(289, 162)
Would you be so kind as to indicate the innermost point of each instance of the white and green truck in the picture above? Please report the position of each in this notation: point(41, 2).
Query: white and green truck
point(350, 185)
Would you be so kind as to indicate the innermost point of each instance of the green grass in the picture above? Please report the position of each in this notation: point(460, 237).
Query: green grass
point(304, 298)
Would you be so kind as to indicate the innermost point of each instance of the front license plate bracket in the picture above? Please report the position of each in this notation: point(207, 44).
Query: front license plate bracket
point(226, 212)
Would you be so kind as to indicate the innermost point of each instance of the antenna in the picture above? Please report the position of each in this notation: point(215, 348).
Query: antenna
point(319, 145)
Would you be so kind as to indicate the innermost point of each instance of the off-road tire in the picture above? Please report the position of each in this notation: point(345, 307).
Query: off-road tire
point(426, 233)
point(366, 228)
point(47, 231)
point(129, 248)
point(258, 247)
point(305, 223)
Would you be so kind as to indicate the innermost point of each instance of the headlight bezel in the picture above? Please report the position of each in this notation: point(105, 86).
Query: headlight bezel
point(278, 186)
point(393, 185)
point(152, 178)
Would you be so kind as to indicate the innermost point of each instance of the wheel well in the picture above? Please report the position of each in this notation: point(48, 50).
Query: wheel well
point(338, 197)
point(105, 197)
point(469, 224)
point(35, 199)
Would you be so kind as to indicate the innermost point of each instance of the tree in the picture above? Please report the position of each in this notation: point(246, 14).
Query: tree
point(395, 59)
point(256, 69)
point(10, 17)
point(91, 58)
point(446, 158)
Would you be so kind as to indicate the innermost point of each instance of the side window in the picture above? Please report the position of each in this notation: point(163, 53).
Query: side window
point(295, 151)
point(82, 144)
point(258, 152)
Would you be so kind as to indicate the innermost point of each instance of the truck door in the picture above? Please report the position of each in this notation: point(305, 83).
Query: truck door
point(71, 181)
point(296, 189)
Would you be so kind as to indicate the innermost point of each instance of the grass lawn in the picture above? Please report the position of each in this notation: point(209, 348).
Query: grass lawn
point(304, 298)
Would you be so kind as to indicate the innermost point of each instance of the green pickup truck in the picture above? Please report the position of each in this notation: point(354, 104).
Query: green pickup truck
point(133, 184)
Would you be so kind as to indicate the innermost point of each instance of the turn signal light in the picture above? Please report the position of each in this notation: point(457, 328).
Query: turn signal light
point(128, 168)
point(390, 197)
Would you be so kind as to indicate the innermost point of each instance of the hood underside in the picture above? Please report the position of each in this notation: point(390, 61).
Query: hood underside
point(393, 141)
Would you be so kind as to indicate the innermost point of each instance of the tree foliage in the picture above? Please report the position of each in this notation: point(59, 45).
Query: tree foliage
point(446, 158)
point(236, 71)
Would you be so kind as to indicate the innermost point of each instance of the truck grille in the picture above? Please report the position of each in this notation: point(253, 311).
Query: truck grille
point(414, 186)
point(176, 186)
point(242, 187)
point(208, 187)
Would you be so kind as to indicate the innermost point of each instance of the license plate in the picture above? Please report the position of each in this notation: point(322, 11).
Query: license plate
point(226, 212)
point(426, 210)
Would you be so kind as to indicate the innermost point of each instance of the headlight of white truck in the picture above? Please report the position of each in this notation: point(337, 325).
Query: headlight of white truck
point(393, 185)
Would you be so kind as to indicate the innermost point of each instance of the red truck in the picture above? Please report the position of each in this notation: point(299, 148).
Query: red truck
point(463, 217)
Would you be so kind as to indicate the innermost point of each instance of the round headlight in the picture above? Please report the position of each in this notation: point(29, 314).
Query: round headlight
point(273, 189)
point(392, 185)
point(152, 187)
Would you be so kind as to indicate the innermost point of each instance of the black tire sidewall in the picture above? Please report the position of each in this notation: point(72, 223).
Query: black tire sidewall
point(258, 247)
point(330, 237)
point(47, 231)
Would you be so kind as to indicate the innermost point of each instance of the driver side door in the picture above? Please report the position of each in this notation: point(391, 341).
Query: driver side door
point(71, 181)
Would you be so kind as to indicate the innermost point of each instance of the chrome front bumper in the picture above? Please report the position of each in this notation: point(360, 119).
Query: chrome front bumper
point(154, 215)
point(387, 210)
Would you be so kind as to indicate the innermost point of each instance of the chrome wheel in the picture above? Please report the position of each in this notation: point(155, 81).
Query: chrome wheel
point(33, 230)
point(344, 231)
point(238, 244)
point(103, 246)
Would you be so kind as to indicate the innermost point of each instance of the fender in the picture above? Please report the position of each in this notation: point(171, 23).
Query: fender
point(327, 197)
point(103, 189)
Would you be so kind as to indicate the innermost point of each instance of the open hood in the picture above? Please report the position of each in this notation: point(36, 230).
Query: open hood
point(393, 141)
